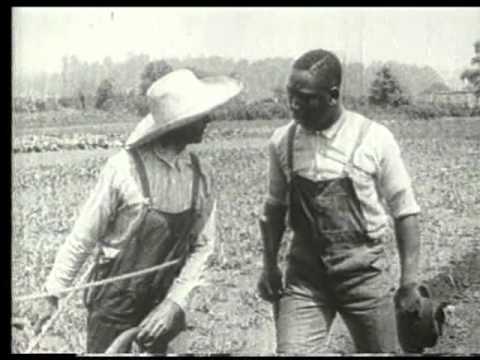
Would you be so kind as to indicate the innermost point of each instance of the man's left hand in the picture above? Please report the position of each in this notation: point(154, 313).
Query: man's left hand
point(159, 322)
point(408, 299)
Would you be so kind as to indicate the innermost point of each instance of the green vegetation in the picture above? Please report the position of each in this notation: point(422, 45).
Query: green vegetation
point(261, 77)
point(227, 316)
point(386, 90)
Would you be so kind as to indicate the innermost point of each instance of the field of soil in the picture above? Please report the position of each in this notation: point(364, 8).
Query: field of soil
point(227, 316)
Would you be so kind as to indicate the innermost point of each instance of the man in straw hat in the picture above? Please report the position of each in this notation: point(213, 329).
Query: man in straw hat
point(332, 169)
point(153, 203)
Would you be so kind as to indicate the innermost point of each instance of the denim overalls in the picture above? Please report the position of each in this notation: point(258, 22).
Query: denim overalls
point(333, 266)
point(155, 237)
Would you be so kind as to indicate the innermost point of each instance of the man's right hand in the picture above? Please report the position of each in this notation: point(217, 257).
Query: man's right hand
point(46, 308)
point(270, 286)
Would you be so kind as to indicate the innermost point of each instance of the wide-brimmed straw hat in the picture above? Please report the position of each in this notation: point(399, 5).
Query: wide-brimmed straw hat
point(178, 99)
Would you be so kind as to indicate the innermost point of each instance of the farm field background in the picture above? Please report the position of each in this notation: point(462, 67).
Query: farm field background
point(226, 316)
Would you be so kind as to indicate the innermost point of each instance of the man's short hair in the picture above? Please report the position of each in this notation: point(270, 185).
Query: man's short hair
point(322, 64)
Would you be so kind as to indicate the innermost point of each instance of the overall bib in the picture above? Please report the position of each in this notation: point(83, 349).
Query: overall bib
point(155, 237)
point(333, 266)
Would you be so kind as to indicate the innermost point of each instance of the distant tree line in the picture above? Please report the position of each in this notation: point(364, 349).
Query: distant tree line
point(125, 76)
point(122, 85)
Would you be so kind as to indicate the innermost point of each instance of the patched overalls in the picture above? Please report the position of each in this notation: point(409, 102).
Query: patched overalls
point(333, 266)
point(155, 237)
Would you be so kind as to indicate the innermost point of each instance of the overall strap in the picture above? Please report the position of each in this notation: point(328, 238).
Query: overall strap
point(186, 230)
point(290, 139)
point(364, 127)
point(140, 167)
point(197, 173)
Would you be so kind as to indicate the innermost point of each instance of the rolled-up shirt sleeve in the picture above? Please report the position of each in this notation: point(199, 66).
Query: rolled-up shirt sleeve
point(194, 272)
point(394, 182)
point(277, 181)
point(89, 227)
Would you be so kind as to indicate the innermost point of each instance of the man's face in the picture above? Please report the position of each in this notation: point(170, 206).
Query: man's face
point(309, 100)
point(198, 129)
point(193, 133)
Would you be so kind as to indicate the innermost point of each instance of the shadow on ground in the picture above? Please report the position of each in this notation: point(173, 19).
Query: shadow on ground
point(459, 285)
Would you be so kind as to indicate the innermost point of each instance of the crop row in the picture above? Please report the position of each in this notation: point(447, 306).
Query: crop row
point(40, 143)
point(77, 141)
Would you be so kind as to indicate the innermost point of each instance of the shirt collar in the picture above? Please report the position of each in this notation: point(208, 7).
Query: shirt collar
point(168, 156)
point(330, 132)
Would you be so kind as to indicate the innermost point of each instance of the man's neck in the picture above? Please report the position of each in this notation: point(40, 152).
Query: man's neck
point(173, 149)
point(332, 118)
point(168, 152)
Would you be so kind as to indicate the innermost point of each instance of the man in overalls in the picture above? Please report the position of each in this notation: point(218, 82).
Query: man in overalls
point(153, 203)
point(331, 169)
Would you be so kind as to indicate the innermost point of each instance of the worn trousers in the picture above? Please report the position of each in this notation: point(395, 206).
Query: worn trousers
point(307, 309)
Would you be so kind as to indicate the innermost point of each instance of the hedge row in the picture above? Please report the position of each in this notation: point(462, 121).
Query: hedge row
point(271, 108)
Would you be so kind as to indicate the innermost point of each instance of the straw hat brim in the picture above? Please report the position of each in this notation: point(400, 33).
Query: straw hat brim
point(216, 91)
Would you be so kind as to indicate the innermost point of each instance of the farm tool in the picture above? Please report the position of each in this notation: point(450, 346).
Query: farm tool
point(124, 342)
point(121, 340)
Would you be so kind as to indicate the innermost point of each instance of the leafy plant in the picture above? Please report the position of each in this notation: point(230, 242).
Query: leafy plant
point(104, 93)
point(385, 90)
point(153, 71)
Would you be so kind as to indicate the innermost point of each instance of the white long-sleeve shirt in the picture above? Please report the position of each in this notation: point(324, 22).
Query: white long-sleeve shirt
point(383, 178)
point(118, 192)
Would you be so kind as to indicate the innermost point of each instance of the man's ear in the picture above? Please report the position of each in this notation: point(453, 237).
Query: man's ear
point(335, 92)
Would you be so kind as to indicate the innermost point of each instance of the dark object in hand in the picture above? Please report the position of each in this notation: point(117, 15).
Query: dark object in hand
point(419, 318)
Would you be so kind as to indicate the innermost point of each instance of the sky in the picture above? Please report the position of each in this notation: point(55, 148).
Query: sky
point(439, 37)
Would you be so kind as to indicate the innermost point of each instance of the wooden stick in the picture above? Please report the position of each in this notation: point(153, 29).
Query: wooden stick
point(98, 283)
